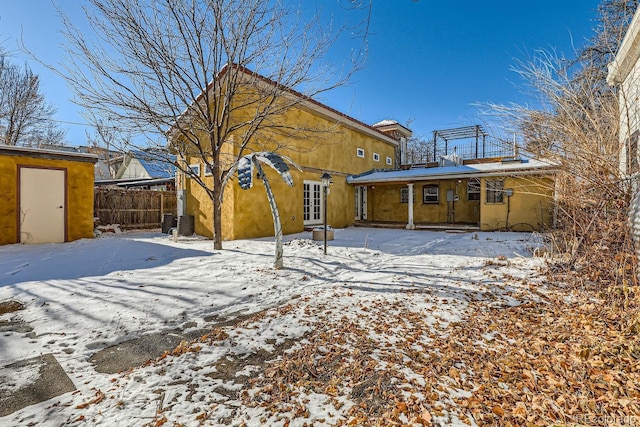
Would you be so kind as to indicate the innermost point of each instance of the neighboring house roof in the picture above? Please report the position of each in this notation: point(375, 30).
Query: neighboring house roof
point(152, 165)
point(524, 167)
point(154, 181)
point(628, 53)
point(134, 182)
point(307, 101)
point(155, 167)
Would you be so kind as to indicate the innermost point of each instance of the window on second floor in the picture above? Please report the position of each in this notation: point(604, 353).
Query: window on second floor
point(376, 157)
point(195, 169)
point(389, 161)
point(360, 152)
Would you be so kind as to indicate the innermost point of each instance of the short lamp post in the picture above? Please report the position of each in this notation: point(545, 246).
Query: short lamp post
point(326, 182)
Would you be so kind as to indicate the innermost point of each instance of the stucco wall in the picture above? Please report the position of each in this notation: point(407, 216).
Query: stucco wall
point(329, 147)
point(530, 207)
point(79, 195)
point(386, 206)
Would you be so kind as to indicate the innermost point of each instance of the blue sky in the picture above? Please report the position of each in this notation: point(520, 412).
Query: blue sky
point(429, 61)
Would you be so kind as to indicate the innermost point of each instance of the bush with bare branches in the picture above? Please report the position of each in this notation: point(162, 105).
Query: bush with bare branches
point(577, 126)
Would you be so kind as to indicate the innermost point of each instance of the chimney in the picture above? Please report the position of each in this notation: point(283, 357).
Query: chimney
point(393, 129)
point(400, 133)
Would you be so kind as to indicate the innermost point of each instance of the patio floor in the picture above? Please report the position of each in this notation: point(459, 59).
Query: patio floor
point(420, 225)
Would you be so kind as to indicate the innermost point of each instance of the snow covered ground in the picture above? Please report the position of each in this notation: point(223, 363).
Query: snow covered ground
point(387, 291)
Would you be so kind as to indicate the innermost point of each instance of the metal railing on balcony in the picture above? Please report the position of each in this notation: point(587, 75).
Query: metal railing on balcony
point(469, 142)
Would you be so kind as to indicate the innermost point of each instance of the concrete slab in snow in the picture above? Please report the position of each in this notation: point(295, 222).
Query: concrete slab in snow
point(31, 381)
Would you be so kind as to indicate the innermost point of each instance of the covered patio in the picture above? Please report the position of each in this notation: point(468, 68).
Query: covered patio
point(488, 194)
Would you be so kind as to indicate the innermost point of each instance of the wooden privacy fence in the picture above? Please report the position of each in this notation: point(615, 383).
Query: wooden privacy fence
point(133, 208)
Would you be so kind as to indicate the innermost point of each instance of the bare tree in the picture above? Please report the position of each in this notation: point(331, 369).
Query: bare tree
point(419, 150)
point(614, 16)
point(181, 67)
point(576, 123)
point(25, 116)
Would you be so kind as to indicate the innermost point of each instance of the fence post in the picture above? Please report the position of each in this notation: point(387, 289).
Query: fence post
point(161, 206)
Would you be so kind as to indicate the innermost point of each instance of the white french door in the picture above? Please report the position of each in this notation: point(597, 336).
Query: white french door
point(312, 203)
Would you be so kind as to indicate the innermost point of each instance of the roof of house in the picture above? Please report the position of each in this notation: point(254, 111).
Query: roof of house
point(385, 122)
point(388, 124)
point(9, 150)
point(628, 53)
point(524, 167)
point(134, 182)
point(312, 103)
point(154, 166)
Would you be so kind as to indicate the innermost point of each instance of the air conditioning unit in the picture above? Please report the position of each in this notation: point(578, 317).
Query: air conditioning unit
point(450, 160)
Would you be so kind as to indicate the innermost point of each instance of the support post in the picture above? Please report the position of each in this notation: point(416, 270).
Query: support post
point(410, 224)
point(435, 136)
point(477, 137)
point(483, 146)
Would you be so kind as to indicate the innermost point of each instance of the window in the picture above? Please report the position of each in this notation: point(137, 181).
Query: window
point(360, 152)
point(430, 194)
point(495, 192)
point(389, 161)
point(473, 189)
point(404, 195)
point(207, 170)
point(195, 170)
point(376, 157)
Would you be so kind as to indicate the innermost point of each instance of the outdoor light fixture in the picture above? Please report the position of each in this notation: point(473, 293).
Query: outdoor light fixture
point(326, 182)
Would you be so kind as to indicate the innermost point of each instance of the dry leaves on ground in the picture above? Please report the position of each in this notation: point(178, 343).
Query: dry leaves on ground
point(551, 362)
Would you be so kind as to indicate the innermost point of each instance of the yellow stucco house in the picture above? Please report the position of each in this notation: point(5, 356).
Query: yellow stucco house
point(369, 185)
point(484, 194)
point(345, 147)
point(46, 196)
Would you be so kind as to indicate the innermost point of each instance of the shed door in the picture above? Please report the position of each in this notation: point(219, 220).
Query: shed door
point(42, 205)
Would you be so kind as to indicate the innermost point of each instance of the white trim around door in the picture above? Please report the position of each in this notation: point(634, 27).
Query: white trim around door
point(312, 203)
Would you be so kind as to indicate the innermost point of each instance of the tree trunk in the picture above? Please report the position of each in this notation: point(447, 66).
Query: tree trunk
point(277, 226)
point(217, 206)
